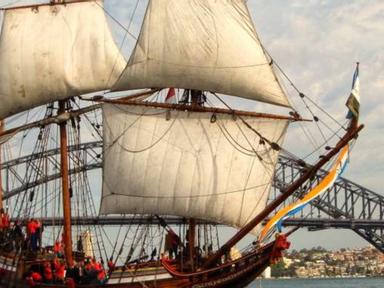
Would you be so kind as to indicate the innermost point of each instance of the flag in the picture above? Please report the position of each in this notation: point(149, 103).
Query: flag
point(353, 102)
point(185, 96)
point(171, 96)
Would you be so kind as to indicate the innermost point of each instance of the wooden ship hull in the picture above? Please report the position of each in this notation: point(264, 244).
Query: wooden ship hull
point(237, 273)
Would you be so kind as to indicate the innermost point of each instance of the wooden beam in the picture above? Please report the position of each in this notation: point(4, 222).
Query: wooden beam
point(1, 179)
point(65, 187)
point(50, 120)
point(184, 107)
point(54, 2)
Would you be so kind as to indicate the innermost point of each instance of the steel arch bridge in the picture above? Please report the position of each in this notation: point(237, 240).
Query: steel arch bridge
point(346, 205)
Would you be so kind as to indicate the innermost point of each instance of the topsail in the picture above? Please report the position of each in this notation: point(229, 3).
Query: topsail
point(202, 44)
point(53, 52)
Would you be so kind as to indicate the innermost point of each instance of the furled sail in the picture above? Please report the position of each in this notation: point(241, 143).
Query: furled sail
point(191, 165)
point(201, 44)
point(53, 52)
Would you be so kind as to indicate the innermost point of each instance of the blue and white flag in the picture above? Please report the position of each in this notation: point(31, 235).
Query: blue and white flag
point(353, 102)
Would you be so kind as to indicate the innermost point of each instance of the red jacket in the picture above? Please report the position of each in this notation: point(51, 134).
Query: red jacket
point(36, 277)
point(60, 271)
point(32, 227)
point(4, 221)
point(88, 267)
point(56, 264)
point(48, 275)
point(97, 266)
point(57, 248)
point(101, 275)
point(111, 265)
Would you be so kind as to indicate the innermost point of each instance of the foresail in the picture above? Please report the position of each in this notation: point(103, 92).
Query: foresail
point(202, 44)
point(187, 163)
point(53, 52)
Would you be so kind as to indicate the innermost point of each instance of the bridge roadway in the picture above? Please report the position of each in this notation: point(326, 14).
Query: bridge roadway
point(346, 205)
point(126, 220)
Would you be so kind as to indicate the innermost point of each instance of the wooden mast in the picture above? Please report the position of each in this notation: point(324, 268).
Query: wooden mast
point(351, 133)
point(191, 242)
point(65, 186)
point(1, 179)
point(67, 235)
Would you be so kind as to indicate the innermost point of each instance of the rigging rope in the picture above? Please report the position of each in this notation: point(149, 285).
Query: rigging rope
point(117, 21)
point(302, 95)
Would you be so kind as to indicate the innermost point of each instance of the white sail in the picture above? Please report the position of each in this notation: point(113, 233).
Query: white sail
point(53, 52)
point(188, 165)
point(201, 44)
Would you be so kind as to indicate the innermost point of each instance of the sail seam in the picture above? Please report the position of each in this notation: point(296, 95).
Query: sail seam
point(247, 189)
point(197, 66)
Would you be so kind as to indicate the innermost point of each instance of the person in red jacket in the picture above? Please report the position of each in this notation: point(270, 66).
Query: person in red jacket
point(111, 265)
point(4, 219)
point(99, 270)
point(32, 227)
point(48, 274)
point(58, 249)
point(101, 276)
point(60, 272)
point(4, 223)
point(34, 278)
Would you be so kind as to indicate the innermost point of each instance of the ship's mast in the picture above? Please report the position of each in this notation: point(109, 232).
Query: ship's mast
point(191, 241)
point(65, 186)
point(1, 179)
point(67, 233)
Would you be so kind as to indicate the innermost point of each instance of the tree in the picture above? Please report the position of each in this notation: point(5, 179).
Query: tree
point(278, 269)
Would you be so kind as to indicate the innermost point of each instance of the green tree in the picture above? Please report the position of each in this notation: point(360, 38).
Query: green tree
point(278, 269)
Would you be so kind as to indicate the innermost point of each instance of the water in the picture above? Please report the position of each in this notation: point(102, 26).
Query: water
point(320, 283)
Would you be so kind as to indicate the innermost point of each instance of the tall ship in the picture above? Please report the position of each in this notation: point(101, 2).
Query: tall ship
point(178, 161)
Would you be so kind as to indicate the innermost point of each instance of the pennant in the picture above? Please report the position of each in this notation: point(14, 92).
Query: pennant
point(353, 102)
point(324, 184)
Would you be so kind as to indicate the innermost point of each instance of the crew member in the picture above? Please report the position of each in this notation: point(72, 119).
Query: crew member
point(32, 227)
point(48, 274)
point(4, 223)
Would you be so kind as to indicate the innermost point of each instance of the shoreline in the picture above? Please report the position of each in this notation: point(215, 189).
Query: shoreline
point(325, 277)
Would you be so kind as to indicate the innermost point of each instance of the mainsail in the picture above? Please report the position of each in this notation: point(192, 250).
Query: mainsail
point(186, 163)
point(202, 44)
point(53, 52)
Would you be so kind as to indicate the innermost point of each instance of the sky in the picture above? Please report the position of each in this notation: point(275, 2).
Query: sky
point(317, 43)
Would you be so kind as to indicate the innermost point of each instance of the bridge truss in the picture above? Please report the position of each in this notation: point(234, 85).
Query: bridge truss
point(346, 205)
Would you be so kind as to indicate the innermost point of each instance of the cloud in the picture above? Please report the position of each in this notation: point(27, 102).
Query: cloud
point(317, 44)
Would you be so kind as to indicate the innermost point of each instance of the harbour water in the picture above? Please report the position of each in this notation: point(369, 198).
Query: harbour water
point(320, 283)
